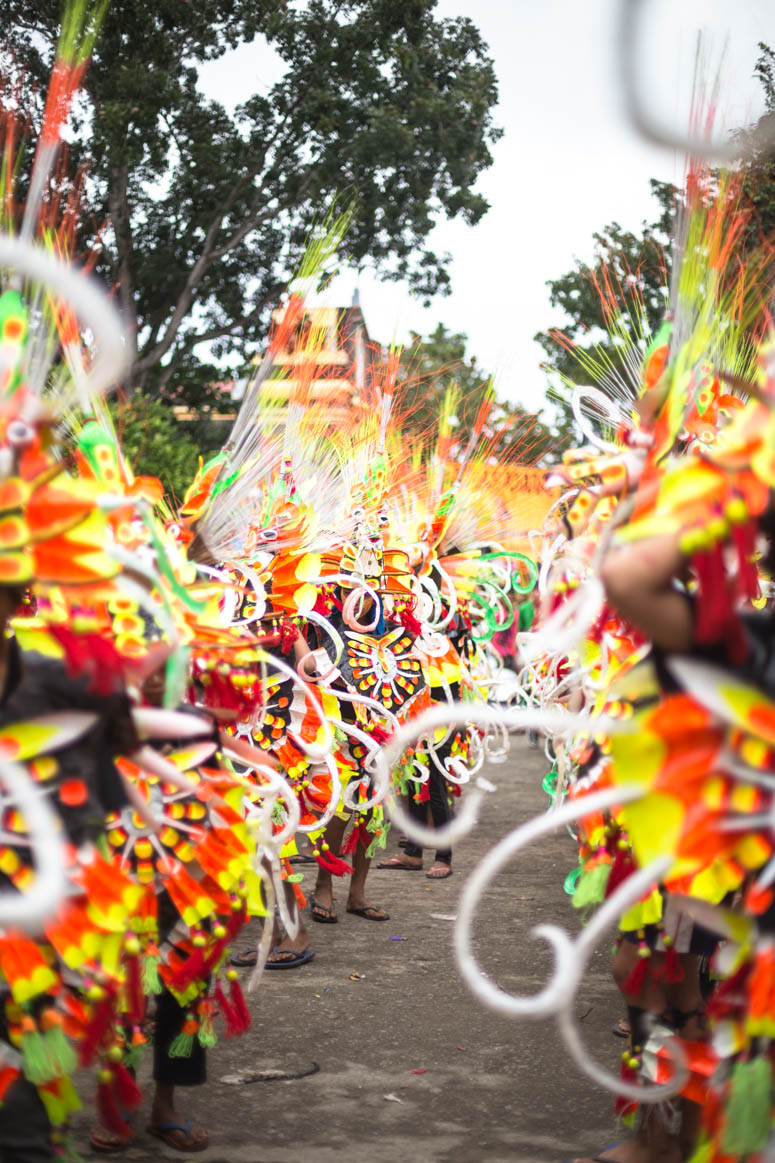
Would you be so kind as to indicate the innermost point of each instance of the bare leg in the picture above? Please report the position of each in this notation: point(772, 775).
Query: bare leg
point(653, 1143)
point(285, 944)
point(357, 895)
point(333, 836)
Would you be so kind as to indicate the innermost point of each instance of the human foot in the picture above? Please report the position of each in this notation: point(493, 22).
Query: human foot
point(180, 1134)
point(438, 871)
point(288, 958)
point(106, 1142)
point(323, 911)
point(402, 862)
point(362, 908)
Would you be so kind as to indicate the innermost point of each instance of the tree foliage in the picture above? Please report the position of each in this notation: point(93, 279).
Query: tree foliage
point(154, 443)
point(430, 365)
point(380, 100)
point(759, 177)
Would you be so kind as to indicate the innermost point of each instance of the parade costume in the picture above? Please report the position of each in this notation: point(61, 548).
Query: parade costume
point(687, 740)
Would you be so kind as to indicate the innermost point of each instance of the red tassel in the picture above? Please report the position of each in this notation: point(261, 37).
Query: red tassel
point(213, 958)
point(134, 999)
point(729, 996)
point(622, 867)
point(350, 844)
point(672, 971)
point(127, 1090)
point(379, 734)
point(423, 794)
point(99, 1023)
point(637, 978)
point(226, 1010)
point(624, 1106)
point(239, 918)
point(737, 643)
point(334, 865)
point(359, 835)
point(110, 1116)
point(744, 541)
point(240, 1007)
point(410, 623)
point(192, 968)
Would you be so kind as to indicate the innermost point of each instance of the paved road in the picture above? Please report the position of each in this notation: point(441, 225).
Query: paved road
point(492, 1089)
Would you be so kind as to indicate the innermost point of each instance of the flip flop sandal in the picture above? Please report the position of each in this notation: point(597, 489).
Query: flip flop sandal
point(439, 875)
point(170, 1133)
point(364, 912)
point(106, 1142)
point(290, 962)
point(621, 1029)
point(246, 959)
point(396, 865)
point(322, 914)
point(300, 858)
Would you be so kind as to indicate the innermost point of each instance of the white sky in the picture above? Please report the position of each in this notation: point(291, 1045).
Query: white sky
point(568, 162)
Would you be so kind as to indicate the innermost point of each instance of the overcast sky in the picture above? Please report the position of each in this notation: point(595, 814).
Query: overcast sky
point(568, 163)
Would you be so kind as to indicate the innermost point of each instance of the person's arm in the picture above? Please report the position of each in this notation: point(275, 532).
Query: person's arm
point(638, 582)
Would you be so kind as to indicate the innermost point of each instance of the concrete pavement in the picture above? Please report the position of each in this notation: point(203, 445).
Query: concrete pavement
point(370, 1009)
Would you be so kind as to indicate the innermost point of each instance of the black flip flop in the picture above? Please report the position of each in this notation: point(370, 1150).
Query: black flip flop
point(364, 912)
point(325, 916)
point(292, 962)
point(241, 959)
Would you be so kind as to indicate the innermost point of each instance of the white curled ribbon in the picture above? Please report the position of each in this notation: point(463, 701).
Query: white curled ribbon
point(476, 714)
point(571, 957)
point(84, 296)
point(29, 910)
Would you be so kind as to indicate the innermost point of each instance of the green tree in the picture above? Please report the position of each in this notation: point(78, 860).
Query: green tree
point(207, 213)
point(154, 443)
point(430, 365)
point(759, 175)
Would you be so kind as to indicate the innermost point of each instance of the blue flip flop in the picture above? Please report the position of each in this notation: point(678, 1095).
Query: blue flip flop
point(166, 1132)
point(291, 962)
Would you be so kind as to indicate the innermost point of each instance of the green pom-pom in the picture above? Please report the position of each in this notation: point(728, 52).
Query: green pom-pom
point(206, 1033)
point(60, 1051)
point(37, 1066)
point(134, 1056)
point(591, 886)
point(182, 1046)
point(151, 981)
point(549, 782)
point(749, 1108)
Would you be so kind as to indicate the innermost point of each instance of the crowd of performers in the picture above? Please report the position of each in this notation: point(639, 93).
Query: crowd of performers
point(196, 695)
point(192, 692)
